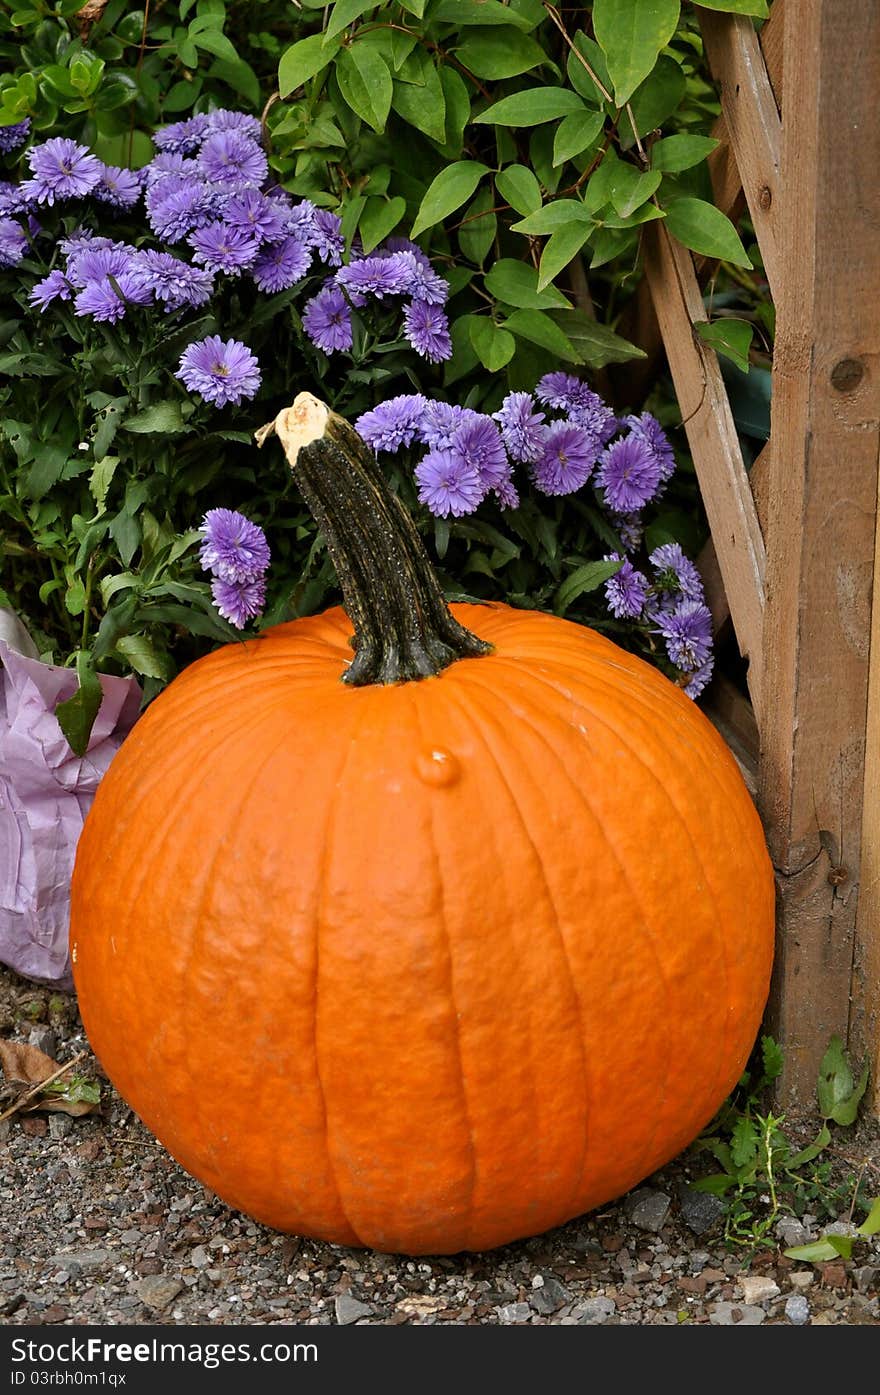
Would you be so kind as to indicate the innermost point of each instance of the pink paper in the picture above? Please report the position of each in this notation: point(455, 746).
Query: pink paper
point(45, 794)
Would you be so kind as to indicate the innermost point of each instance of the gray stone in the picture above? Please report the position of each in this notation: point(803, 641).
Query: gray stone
point(797, 1309)
point(593, 1311)
point(700, 1211)
point(757, 1289)
point(158, 1290)
point(60, 1125)
point(790, 1232)
point(515, 1312)
point(801, 1279)
point(200, 1259)
point(63, 1211)
point(350, 1309)
point(865, 1277)
point(647, 1208)
point(549, 1297)
point(44, 1039)
point(131, 1237)
point(736, 1314)
point(84, 1261)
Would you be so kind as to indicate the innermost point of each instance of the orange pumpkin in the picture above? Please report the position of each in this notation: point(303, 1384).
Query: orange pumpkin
point(426, 966)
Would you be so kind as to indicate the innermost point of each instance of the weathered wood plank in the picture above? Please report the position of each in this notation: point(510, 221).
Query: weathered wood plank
point(754, 129)
point(713, 441)
point(865, 1034)
point(707, 562)
point(821, 519)
point(726, 182)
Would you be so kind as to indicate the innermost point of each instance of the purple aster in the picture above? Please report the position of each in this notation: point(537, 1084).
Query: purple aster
point(687, 631)
point(255, 213)
point(594, 417)
point(327, 320)
point(220, 371)
point(104, 301)
point(281, 265)
point(403, 244)
point(628, 473)
point(233, 548)
point(11, 137)
point(224, 249)
point(173, 282)
point(448, 484)
point(55, 286)
point(92, 263)
point(675, 572)
point(13, 242)
point(224, 120)
point(427, 329)
point(299, 218)
point(421, 282)
point(62, 170)
point(478, 441)
point(522, 428)
point(327, 235)
point(626, 591)
point(699, 678)
point(82, 238)
point(557, 389)
point(394, 423)
point(568, 459)
point(440, 423)
point(12, 198)
point(177, 204)
point(651, 432)
point(373, 276)
point(120, 188)
point(167, 163)
point(239, 601)
point(181, 137)
point(230, 157)
point(507, 493)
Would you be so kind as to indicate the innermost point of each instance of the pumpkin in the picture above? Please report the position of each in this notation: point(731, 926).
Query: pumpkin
point(437, 956)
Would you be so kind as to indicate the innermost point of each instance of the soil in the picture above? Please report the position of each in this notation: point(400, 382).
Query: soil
point(99, 1225)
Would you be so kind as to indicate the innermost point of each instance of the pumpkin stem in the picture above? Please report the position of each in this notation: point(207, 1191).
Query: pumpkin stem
point(403, 628)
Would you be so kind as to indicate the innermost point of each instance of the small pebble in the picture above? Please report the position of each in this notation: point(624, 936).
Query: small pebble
point(797, 1309)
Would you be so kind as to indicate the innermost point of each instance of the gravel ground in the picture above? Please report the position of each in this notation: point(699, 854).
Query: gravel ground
point(99, 1225)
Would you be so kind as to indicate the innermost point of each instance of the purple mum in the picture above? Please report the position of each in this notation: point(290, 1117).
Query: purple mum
point(105, 301)
point(256, 214)
point(687, 631)
point(61, 170)
point(675, 572)
point(567, 459)
point(13, 242)
point(239, 601)
point(648, 429)
point(440, 423)
point(477, 440)
point(55, 286)
point(230, 157)
point(173, 282)
point(233, 548)
point(11, 137)
point(181, 137)
point(523, 429)
point(281, 265)
point(626, 591)
point(393, 424)
point(120, 188)
point(427, 329)
point(327, 320)
point(220, 248)
point(448, 484)
point(628, 473)
point(373, 276)
point(220, 370)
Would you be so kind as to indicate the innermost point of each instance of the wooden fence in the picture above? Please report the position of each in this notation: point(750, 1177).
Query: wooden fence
point(794, 561)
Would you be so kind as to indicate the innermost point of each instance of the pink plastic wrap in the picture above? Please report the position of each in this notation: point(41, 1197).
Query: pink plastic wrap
point(45, 794)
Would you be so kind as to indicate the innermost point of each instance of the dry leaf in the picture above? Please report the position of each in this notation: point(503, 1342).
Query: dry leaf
point(25, 1063)
point(26, 1068)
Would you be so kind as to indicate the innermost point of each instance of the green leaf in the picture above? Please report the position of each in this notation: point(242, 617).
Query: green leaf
point(497, 53)
point(379, 218)
point(578, 75)
point(531, 107)
point(46, 469)
point(344, 13)
point(630, 187)
point(539, 328)
point(365, 83)
point(100, 478)
point(839, 1097)
point(478, 228)
point(493, 346)
point(587, 578)
point(212, 41)
point(126, 533)
point(576, 133)
point(553, 216)
point(871, 1224)
point(705, 229)
point(465, 12)
point(596, 343)
point(631, 34)
point(738, 7)
point(76, 716)
point(608, 243)
point(744, 1140)
point(303, 60)
point(813, 1253)
point(819, 1144)
point(458, 108)
point(143, 656)
point(654, 99)
point(772, 1058)
point(161, 418)
point(559, 250)
point(675, 153)
point(452, 187)
point(423, 106)
point(732, 338)
point(516, 283)
point(519, 187)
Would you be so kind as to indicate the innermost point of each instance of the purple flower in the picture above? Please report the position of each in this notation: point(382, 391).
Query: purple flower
point(82, 238)
point(427, 329)
point(299, 218)
point(255, 213)
point(327, 234)
point(651, 432)
point(421, 281)
point(11, 137)
point(230, 157)
point(91, 263)
point(55, 286)
point(220, 371)
point(626, 591)
point(568, 459)
point(373, 276)
point(224, 120)
point(281, 265)
point(177, 204)
point(507, 494)
point(173, 282)
point(522, 428)
point(239, 601)
point(403, 244)
point(120, 188)
point(233, 548)
point(558, 389)
point(448, 484)
point(628, 473)
point(630, 529)
point(478, 441)
point(327, 320)
point(440, 423)
point(12, 198)
point(675, 572)
point(687, 631)
point(62, 170)
point(13, 242)
point(220, 248)
point(181, 137)
point(103, 301)
point(167, 163)
point(699, 678)
point(394, 423)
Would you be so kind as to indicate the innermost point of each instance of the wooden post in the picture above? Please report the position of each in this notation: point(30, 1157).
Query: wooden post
point(820, 536)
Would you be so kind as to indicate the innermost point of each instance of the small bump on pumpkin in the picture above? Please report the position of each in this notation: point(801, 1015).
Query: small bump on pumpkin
point(438, 767)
